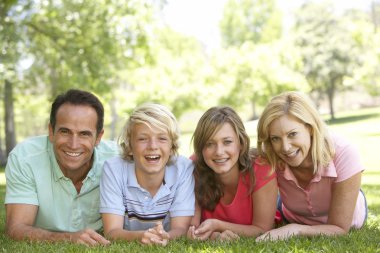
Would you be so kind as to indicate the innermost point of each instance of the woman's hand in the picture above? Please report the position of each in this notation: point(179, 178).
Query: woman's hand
point(226, 235)
point(205, 229)
point(281, 233)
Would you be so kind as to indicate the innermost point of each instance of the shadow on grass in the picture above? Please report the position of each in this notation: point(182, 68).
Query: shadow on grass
point(351, 119)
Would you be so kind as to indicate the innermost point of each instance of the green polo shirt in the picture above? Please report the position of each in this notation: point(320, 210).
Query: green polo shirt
point(34, 177)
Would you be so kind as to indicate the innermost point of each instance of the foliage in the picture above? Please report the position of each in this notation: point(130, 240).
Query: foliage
point(257, 21)
point(176, 77)
point(86, 43)
point(329, 52)
point(259, 72)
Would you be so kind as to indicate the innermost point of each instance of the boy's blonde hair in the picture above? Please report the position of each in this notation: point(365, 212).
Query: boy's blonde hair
point(301, 107)
point(154, 116)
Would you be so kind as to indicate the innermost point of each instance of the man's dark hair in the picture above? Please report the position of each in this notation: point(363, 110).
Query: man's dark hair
point(78, 97)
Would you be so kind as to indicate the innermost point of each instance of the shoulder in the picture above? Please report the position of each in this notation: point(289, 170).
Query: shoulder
point(261, 166)
point(108, 146)
point(115, 163)
point(343, 148)
point(32, 146)
point(182, 164)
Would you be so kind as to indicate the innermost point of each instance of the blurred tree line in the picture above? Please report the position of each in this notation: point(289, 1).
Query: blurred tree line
point(124, 52)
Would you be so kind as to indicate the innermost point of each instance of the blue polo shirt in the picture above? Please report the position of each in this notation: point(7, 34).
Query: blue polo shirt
point(121, 194)
point(34, 177)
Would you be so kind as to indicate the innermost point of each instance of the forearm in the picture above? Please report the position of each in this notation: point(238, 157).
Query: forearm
point(123, 234)
point(242, 230)
point(177, 232)
point(26, 232)
point(326, 229)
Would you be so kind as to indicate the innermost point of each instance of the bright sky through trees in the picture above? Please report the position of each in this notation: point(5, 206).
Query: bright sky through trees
point(200, 18)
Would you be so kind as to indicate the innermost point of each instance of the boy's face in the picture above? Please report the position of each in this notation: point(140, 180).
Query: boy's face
point(151, 149)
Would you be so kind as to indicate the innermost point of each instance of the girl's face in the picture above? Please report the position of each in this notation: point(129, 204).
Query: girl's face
point(291, 140)
point(221, 152)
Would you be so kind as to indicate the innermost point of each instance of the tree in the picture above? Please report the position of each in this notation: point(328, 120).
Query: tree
point(11, 48)
point(176, 78)
point(259, 72)
point(328, 50)
point(257, 21)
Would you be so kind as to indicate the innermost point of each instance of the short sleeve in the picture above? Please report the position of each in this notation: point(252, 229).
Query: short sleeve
point(263, 173)
point(347, 160)
point(184, 200)
point(20, 182)
point(111, 192)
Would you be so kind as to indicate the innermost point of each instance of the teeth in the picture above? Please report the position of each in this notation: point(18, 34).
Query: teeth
point(220, 160)
point(73, 154)
point(152, 156)
point(294, 153)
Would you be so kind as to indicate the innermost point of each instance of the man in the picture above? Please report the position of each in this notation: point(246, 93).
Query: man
point(52, 191)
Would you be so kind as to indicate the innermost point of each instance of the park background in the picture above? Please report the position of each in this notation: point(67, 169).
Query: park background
point(135, 51)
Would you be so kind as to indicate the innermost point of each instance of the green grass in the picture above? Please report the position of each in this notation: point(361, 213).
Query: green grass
point(361, 127)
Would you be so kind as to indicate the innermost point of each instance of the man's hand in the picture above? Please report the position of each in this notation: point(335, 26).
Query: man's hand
point(88, 237)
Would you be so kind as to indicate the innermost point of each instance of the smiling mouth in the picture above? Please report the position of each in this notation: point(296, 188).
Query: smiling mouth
point(292, 154)
point(152, 158)
point(220, 160)
point(73, 154)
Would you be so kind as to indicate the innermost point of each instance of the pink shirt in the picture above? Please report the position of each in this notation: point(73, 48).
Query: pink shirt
point(240, 210)
point(311, 205)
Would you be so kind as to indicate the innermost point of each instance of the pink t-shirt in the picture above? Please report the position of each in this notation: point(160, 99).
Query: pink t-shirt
point(240, 211)
point(310, 206)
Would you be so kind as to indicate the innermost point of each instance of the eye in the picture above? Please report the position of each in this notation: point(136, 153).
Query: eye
point(63, 131)
point(163, 138)
point(292, 134)
point(85, 134)
point(274, 139)
point(227, 142)
point(209, 144)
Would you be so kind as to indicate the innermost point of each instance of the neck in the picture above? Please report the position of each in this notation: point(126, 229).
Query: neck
point(151, 183)
point(230, 179)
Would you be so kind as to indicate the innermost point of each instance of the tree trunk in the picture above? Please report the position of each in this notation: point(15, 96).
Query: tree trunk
point(3, 158)
point(330, 95)
point(114, 117)
point(10, 133)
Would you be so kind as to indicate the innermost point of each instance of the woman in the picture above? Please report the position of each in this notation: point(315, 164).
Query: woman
point(318, 173)
point(235, 196)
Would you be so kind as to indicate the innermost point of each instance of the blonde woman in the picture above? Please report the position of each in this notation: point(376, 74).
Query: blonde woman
point(318, 173)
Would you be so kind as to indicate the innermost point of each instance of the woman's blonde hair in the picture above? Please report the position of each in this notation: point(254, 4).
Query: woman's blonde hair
point(299, 106)
point(152, 115)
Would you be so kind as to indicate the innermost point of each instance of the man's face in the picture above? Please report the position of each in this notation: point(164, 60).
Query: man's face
point(74, 139)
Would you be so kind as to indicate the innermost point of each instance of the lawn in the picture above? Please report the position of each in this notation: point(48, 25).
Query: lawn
point(361, 127)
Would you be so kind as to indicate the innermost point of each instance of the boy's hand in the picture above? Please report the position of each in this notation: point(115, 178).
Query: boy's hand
point(156, 235)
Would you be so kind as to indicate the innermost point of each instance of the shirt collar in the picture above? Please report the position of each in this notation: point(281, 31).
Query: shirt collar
point(328, 171)
point(169, 178)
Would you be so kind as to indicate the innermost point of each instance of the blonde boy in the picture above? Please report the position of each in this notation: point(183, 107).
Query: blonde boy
point(148, 194)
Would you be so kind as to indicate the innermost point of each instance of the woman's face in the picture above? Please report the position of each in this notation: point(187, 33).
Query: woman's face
point(221, 152)
point(291, 140)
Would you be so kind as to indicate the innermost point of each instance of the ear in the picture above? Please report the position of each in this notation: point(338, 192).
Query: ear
point(99, 137)
point(51, 133)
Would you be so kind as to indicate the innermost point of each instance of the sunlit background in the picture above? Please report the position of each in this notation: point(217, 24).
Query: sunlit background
point(187, 55)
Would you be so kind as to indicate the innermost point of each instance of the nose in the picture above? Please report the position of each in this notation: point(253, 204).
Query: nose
point(219, 149)
point(285, 145)
point(74, 141)
point(152, 143)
